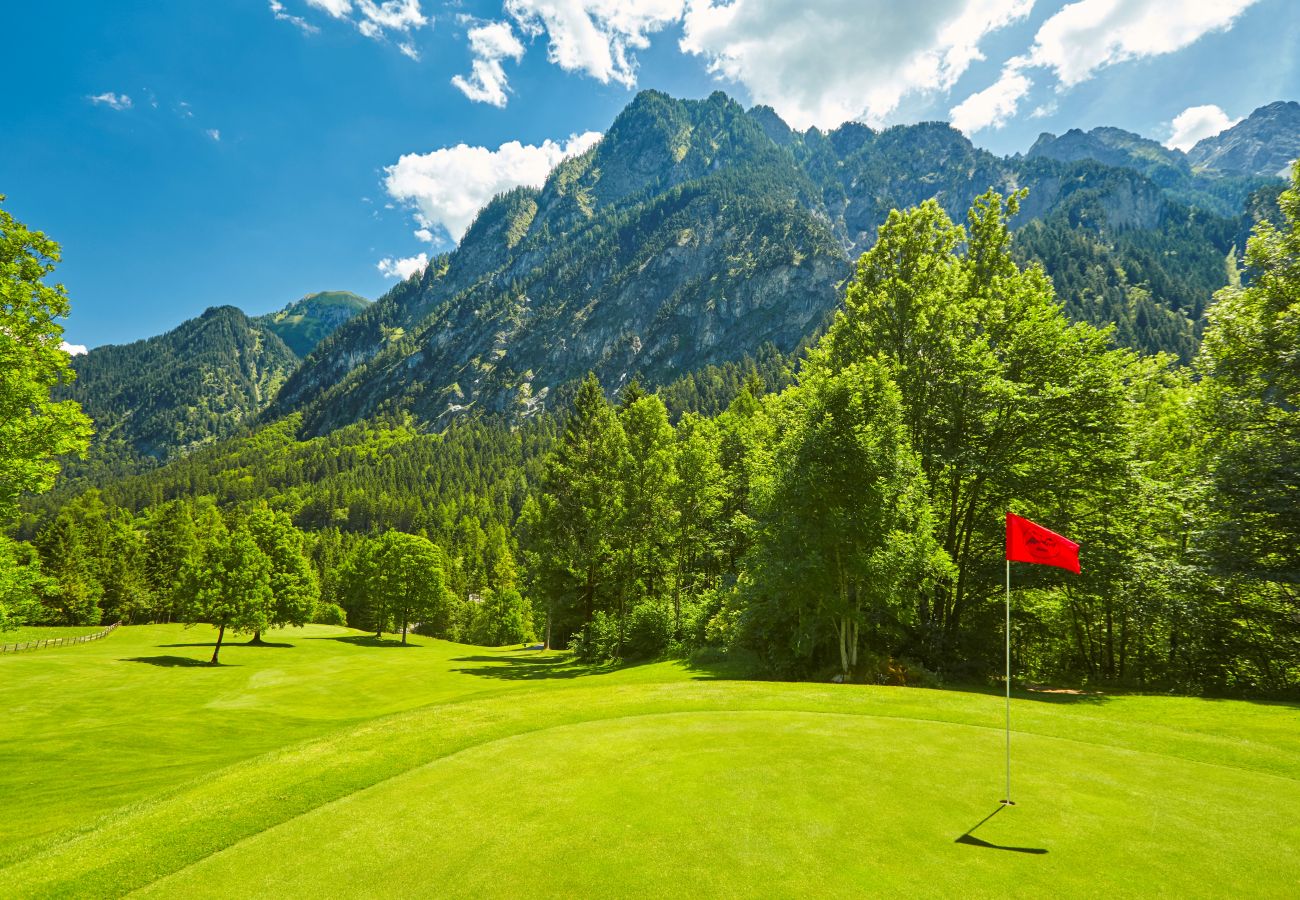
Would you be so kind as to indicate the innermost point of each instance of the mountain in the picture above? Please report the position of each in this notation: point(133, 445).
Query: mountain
point(1264, 143)
point(1116, 147)
point(165, 395)
point(305, 323)
point(695, 231)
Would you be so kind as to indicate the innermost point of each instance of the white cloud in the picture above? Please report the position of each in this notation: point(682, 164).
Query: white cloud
point(1197, 123)
point(375, 18)
point(402, 268)
point(596, 36)
point(448, 187)
point(391, 15)
point(825, 63)
point(490, 43)
point(991, 107)
point(1091, 34)
point(111, 100)
point(336, 8)
point(1088, 35)
point(73, 349)
point(213, 133)
point(424, 234)
point(283, 15)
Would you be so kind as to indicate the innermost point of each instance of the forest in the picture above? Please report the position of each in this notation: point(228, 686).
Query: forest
point(832, 513)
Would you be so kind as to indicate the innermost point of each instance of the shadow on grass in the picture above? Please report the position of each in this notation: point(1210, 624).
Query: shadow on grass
point(1058, 696)
point(225, 644)
point(970, 840)
point(364, 640)
point(175, 662)
point(515, 668)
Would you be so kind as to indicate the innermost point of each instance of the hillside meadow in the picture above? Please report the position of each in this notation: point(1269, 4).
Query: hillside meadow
point(330, 762)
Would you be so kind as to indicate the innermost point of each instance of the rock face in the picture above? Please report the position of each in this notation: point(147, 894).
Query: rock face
point(692, 233)
point(305, 323)
point(1265, 143)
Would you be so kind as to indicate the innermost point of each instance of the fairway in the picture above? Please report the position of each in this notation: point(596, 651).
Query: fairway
point(459, 771)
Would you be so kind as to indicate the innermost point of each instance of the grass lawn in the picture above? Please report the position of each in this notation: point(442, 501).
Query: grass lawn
point(41, 632)
point(340, 766)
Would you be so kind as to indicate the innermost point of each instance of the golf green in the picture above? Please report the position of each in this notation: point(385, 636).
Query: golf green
point(502, 773)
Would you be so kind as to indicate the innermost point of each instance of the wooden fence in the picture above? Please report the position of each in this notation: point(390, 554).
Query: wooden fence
point(58, 642)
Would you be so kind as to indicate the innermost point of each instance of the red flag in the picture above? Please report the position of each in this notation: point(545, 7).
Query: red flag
point(1031, 543)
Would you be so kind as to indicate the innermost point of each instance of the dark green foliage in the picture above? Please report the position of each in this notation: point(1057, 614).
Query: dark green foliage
point(164, 396)
point(303, 324)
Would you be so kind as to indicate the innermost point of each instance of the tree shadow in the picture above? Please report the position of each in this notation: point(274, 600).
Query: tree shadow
point(225, 644)
point(516, 668)
point(175, 662)
point(969, 837)
point(364, 640)
point(1058, 696)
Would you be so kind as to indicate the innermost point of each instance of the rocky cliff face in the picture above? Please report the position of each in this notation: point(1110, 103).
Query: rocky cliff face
point(692, 233)
point(1264, 144)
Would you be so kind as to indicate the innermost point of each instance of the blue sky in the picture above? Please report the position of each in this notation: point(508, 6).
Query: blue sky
point(189, 154)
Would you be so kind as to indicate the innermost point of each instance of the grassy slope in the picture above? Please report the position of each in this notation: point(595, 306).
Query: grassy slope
point(335, 767)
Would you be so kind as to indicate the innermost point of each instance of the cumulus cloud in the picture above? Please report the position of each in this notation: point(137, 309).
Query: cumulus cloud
point(213, 133)
point(283, 15)
point(1195, 124)
point(1088, 35)
point(993, 106)
point(73, 349)
point(402, 268)
point(408, 50)
point(447, 188)
point(596, 37)
point(822, 64)
point(490, 43)
point(111, 100)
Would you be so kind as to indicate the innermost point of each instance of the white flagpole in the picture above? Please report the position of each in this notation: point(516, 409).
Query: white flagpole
point(1008, 801)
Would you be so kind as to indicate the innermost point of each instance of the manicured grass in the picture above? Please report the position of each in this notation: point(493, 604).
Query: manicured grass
point(42, 632)
point(456, 771)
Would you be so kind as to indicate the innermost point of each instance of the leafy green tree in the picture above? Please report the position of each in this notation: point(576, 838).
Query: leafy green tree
point(580, 508)
point(34, 431)
point(294, 587)
point(69, 560)
point(842, 532)
point(697, 497)
point(171, 547)
point(502, 617)
point(230, 587)
point(409, 584)
point(647, 480)
point(21, 584)
point(1251, 402)
point(1002, 398)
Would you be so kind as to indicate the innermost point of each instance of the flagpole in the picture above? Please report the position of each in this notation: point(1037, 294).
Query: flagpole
point(1008, 801)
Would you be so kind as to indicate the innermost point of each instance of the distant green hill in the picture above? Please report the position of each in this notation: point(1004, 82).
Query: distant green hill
point(168, 394)
point(306, 322)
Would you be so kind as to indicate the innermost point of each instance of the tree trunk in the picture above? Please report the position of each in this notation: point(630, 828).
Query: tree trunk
point(403, 628)
point(548, 627)
point(217, 649)
point(257, 639)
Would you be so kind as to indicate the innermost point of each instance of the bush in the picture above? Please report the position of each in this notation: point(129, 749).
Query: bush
point(597, 641)
point(329, 614)
point(649, 630)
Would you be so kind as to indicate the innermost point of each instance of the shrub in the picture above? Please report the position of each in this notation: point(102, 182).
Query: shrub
point(329, 614)
point(649, 630)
